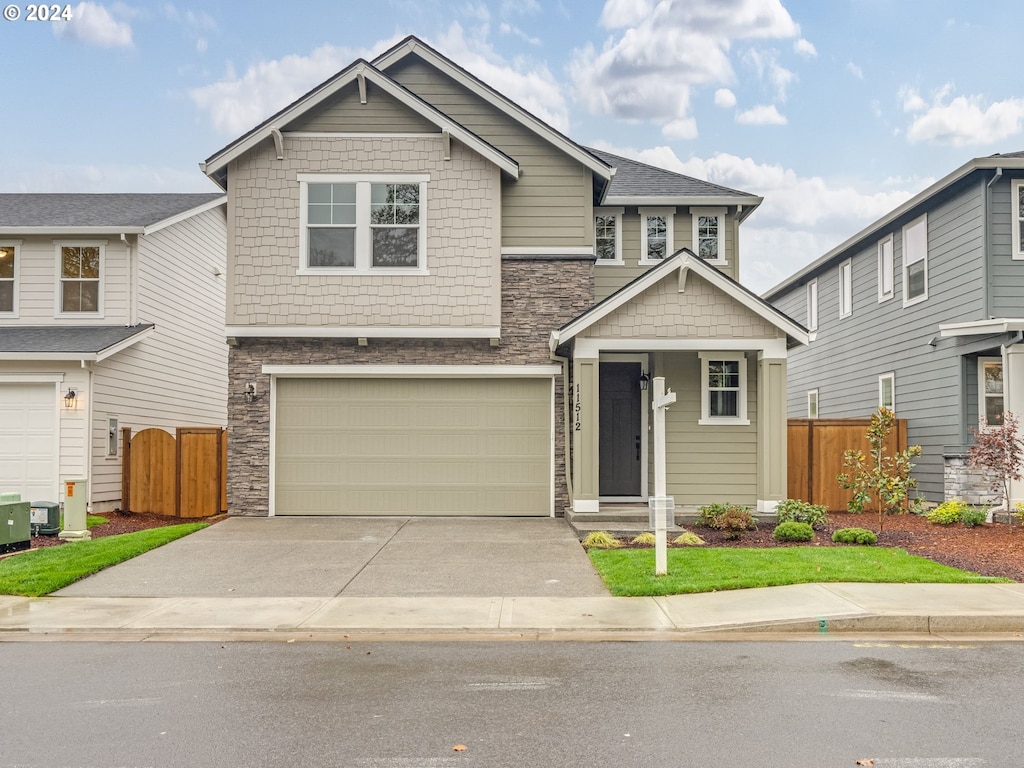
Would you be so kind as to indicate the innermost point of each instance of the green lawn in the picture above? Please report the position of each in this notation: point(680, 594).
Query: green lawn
point(630, 572)
point(42, 571)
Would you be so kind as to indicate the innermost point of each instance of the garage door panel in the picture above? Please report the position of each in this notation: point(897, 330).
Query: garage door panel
point(28, 439)
point(413, 446)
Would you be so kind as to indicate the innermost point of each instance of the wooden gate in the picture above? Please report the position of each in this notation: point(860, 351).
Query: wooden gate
point(815, 456)
point(181, 475)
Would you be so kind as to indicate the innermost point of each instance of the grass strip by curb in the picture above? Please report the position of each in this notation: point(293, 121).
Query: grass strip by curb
point(42, 571)
point(630, 572)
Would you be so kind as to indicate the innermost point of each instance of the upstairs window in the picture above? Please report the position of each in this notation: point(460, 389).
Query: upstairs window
point(990, 391)
point(812, 404)
point(709, 234)
point(656, 234)
point(79, 267)
point(812, 305)
point(846, 289)
point(885, 277)
point(362, 224)
point(915, 261)
point(608, 235)
point(1017, 217)
point(8, 278)
point(723, 388)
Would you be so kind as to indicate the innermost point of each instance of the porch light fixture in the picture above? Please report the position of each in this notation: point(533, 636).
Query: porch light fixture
point(250, 392)
point(645, 379)
point(70, 398)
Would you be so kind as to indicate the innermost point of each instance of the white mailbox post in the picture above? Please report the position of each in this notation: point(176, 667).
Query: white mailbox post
point(660, 503)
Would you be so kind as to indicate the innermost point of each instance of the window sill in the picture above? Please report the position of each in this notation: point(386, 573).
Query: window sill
point(716, 262)
point(885, 298)
point(610, 263)
point(651, 262)
point(912, 302)
point(724, 422)
point(352, 271)
point(78, 316)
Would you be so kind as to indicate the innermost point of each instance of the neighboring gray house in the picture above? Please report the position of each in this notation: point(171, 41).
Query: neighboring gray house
point(923, 312)
point(438, 304)
point(111, 315)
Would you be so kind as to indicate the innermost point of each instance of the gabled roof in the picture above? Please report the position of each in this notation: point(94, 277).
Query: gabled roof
point(83, 213)
point(681, 260)
point(360, 71)
point(91, 343)
point(637, 183)
point(412, 45)
point(997, 162)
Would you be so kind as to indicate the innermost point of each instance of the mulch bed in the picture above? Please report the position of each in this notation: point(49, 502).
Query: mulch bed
point(125, 522)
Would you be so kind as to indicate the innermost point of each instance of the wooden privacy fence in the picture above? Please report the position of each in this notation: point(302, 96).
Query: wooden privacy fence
point(180, 475)
point(815, 456)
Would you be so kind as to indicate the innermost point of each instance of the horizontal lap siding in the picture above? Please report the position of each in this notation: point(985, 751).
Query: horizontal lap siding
point(1007, 273)
point(344, 113)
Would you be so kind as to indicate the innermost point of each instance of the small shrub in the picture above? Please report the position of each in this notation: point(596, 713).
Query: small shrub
point(796, 511)
point(854, 536)
point(735, 522)
point(973, 517)
point(948, 512)
point(688, 539)
point(793, 531)
point(645, 539)
point(1018, 511)
point(600, 540)
point(710, 514)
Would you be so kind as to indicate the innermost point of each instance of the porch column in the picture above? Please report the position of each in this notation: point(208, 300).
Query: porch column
point(771, 432)
point(584, 430)
point(1013, 394)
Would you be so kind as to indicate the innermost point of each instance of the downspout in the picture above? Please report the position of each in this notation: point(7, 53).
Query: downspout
point(90, 396)
point(985, 265)
point(566, 422)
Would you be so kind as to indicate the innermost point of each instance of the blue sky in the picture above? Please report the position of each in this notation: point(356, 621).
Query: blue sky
point(835, 111)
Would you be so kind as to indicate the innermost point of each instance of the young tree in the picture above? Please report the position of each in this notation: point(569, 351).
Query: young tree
point(999, 449)
point(883, 476)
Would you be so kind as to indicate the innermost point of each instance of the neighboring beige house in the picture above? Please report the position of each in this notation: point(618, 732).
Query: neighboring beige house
point(111, 311)
point(430, 290)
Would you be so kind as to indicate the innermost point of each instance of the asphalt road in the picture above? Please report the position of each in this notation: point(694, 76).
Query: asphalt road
point(414, 705)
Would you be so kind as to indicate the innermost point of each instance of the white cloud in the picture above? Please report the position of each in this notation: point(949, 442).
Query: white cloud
point(103, 178)
point(761, 115)
point(855, 70)
point(805, 48)
point(962, 120)
point(661, 49)
point(766, 64)
point(508, 29)
point(725, 98)
point(94, 24)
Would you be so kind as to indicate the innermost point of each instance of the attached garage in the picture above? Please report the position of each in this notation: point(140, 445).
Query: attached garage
point(28, 440)
point(413, 445)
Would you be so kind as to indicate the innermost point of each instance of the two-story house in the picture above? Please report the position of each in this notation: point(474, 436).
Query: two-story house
point(111, 315)
point(922, 312)
point(440, 305)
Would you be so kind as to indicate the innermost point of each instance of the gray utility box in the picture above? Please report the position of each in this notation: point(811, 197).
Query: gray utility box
point(45, 518)
point(15, 534)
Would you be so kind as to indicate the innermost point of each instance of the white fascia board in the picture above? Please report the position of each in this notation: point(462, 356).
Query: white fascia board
point(334, 332)
point(982, 327)
point(64, 231)
point(591, 349)
point(150, 229)
point(31, 378)
point(88, 357)
point(681, 200)
point(495, 99)
point(131, 341)
point(871, 230)
point(414, 371)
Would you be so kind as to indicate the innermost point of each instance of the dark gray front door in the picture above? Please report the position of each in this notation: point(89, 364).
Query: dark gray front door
point(620, 429)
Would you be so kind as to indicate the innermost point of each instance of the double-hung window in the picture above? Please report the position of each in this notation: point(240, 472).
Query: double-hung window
point(656, 234)
point(885, 281)
point(1017, 217)
point(990, 391)
point(608, 235)
point(79, 267)
point(915, 261)
point(362, 224)
point(723, 388)
point(812, 305)
point(887, 391)
point(709, 234)
point(9, 278)
point(846, 288)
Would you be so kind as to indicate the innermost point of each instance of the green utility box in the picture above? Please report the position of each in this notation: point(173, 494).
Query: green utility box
point(15, 533)
point(45, 518)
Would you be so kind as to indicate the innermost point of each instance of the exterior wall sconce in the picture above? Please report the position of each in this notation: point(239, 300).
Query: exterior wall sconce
point(250, 393)
point(70, 398)
point(645, 379)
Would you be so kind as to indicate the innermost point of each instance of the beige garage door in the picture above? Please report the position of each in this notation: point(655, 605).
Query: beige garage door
point(28, 440)
point(407, 446)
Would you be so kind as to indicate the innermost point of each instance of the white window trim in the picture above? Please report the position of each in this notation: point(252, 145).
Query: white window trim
point(982, 423)
point(670, 248)
point(812, 396)
point(846, 288)
point(1016, 219)
point(891, 378)
point(812, 305)
point(58, 288)
point(741, 400)
point(363, 247)
point(718, 213)
point(16, 245)
point(907, 302)
point(886, 270)
point(617, 213)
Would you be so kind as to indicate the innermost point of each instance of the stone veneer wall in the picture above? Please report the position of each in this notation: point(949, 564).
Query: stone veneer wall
point(538, 296)
point(960, 481)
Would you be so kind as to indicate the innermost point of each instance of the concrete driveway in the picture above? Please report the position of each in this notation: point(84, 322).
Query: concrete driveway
point(358, 557)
